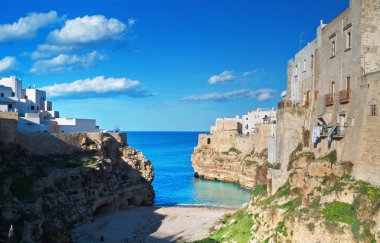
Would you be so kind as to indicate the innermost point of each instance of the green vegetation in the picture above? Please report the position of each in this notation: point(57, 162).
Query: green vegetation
point(275, 166)
point(373, 193)
point(339, 212)
point(263, 154)
point(78, 159)
point(331, 157)
point(310, 226)
point(297, 155)
point(259, 190)
point(284, 191)
point(292, 205)
point(281, 229)
point(250, 162)
point(233, 150)
point(237, 228)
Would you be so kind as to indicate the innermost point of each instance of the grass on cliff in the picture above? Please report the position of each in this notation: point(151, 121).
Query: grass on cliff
point(232, 150)
point(236, 228)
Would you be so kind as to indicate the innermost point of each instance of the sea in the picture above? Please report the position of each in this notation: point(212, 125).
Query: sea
point(174, 181)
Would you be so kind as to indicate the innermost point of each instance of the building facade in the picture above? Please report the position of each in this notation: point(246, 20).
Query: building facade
point(335, 81)
point(256, 117)
point(35, 112)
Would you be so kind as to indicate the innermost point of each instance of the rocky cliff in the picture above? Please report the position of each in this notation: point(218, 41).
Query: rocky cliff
point(42, 197)
point(248, 170)
point(320, 202)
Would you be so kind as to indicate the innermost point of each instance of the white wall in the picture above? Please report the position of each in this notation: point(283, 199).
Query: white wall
point(252, 118)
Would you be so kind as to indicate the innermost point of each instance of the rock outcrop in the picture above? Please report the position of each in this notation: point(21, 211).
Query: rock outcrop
point(320, 202)
point(248, 170)
point(42, 197)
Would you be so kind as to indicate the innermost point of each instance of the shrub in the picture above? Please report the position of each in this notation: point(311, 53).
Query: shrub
point(331, 157)
point(339, 212)
point(237, 228)
point(275, 166)
point(259, 190)
point(310, 226)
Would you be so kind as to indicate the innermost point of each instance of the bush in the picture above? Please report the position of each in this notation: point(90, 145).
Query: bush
point(237, 228)
point(339, 212)
point(311, 226)
point(275, 166)
point(259, 190)
point(331, 157)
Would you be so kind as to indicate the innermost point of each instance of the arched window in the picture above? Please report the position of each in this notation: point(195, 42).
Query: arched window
point(373, 108)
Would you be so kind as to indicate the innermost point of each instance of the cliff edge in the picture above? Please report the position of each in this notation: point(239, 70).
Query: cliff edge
point(320, 202)
point(248, 170)
point(44, 195)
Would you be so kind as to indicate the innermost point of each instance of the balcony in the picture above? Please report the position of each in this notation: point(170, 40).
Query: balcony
point(284, 104)
point(344, 96)
point(336, 132)
point(329, 99)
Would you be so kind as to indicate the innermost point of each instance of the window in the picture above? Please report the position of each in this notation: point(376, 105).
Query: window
point(32, 107)
point(13, 94)
point(312, 61)
point(26, 97)
point(208, 140)
point(348, 40)
point(373, 110)
point(10, 106)
point(348, 83)
point(38, 108)
point(332, 88)
point(333, 48)
point(304, 65)
point(2, 95)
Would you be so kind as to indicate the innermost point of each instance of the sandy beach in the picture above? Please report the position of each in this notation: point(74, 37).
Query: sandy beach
point(151, 224)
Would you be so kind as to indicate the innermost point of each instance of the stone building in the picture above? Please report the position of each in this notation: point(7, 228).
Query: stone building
point(334, 86)
point(35, 112)
point(256, 117)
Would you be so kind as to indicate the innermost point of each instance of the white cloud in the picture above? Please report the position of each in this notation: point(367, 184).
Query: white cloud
point(64, 62)
point(260, 94)
point(131, 22)
point(223, 77)
point(249, 73)
point(46, 50)
point(8, 64)
point(88, 29)
point(97, 85)
point(27, 27)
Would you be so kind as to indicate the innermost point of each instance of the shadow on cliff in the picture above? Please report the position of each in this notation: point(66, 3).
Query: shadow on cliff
point(42, 168)
point(137, 224)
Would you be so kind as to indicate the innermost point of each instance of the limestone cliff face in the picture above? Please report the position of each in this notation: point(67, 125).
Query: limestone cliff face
point(232, 166)
point(43, 197)
point(320, 202)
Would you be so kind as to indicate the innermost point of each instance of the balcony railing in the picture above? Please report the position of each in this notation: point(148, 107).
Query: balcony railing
point(344, 96)
point(285, 104)
point(329, 99)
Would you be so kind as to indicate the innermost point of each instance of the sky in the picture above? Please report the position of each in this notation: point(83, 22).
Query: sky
point(157, 65)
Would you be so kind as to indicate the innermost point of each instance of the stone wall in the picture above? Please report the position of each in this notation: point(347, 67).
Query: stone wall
point(8, 127)
point(371, 36)
point(290, 124)
point(63, 143)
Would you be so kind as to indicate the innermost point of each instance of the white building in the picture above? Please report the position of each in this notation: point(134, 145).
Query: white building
point(36, 114)
point(259, 116)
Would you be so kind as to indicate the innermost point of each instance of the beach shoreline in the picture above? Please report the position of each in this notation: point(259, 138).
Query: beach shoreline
point(179, 223)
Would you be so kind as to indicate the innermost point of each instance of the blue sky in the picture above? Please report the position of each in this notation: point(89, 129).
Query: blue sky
point(157, 64)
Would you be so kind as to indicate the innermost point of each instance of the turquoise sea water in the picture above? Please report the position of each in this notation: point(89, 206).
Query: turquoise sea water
point(174, 181)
